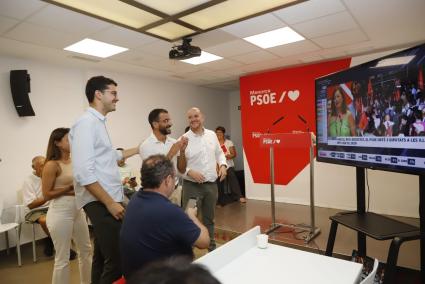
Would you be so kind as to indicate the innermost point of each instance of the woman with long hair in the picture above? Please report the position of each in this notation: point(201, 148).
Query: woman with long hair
point(340, 121)
point(64, 220)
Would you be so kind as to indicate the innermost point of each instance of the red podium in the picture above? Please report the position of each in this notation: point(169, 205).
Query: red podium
point(295, 140)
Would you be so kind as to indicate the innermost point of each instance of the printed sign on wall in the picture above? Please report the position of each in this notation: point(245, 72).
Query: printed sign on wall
point(280, 102)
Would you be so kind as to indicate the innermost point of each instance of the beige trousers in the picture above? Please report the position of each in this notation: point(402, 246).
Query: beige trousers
point(66, 222)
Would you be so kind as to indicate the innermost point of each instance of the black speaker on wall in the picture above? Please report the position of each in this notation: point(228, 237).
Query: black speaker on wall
point(20, 87)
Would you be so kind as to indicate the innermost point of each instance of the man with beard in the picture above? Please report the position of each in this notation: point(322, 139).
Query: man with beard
point(159, 142)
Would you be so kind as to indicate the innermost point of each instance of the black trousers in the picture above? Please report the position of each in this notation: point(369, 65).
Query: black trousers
point(106, 267)
point(228, 189)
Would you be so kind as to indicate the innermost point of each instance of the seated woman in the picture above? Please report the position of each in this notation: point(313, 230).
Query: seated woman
point(230, 184)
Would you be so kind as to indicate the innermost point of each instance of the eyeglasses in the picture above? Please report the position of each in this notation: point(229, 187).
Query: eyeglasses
point(114, 93)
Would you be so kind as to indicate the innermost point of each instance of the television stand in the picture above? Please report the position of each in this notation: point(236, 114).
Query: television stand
point(377, 227)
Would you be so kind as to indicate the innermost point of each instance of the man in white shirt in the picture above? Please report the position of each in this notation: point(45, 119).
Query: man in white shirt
point(198, 161)
point(33, 198)
point(97, 182)
point(159, 142)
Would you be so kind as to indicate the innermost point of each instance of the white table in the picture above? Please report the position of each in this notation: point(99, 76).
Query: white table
point(240, 261)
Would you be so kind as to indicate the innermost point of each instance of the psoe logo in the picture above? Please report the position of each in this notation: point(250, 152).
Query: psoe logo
point(256, 134)
point(267, 97)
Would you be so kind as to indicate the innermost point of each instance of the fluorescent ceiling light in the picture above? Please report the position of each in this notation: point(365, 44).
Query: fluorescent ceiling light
point(95, 48)
point(184, 17)
point(113, 10)
point(170, 30)
point(204, 58)
point(227, 11)
point(274, 38)
point(394, 61)
point(172, 7)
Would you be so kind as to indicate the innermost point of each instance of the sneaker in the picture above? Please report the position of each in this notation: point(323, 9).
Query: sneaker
point(72, 254)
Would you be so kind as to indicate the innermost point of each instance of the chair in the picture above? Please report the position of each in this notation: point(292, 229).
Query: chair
point(6, 227)
point(370, 279)
point(33, 224)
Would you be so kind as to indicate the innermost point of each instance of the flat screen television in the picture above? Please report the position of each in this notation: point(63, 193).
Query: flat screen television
point(373, 115)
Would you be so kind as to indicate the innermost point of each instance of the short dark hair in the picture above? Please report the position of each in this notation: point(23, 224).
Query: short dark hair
point(154, 115)
point(175, 270)
point(155, 169)
point(97, 83)
point(221, 128)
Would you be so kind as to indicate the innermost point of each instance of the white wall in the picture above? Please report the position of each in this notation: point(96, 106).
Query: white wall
point(235, 130)
point(57, 96)
point(335, 185)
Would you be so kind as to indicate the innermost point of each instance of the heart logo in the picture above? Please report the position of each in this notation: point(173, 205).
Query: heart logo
point(293, 95)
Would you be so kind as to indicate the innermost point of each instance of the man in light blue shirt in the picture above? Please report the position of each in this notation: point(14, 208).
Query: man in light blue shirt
point(98, 187)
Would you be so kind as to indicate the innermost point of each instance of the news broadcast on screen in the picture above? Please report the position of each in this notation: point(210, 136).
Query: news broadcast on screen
point(373, 115)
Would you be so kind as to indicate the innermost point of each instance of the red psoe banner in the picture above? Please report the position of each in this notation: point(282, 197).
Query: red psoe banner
point(280, 101)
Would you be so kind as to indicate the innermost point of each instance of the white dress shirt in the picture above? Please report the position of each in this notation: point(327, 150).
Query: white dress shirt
point(202, 153)
point(152, 146)
point(31, 190)
point(93, 158)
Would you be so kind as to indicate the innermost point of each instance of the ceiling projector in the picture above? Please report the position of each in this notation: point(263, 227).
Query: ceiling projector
point(184, 51)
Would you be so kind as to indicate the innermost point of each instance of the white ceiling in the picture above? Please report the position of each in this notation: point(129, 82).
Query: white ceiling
point(333, 29)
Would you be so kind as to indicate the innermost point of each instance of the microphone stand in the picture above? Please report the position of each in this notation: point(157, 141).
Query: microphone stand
point(312, 230)
point(272, 196)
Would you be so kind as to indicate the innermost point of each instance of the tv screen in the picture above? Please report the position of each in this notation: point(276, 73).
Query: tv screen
point(373, 115)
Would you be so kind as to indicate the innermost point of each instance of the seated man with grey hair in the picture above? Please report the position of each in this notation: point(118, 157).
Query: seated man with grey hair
point(34, 200)
point(154, 228)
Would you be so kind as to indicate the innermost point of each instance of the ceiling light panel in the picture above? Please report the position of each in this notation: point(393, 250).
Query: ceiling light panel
point(229, 11)
point(114, 10)
point(204, 58)
point(172, 7)
point(170, 31)
point(274, 38)
point(95, 48)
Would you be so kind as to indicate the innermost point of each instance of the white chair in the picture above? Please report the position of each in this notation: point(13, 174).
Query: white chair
point(371, 277)
point(6, 227)
point(33, 224)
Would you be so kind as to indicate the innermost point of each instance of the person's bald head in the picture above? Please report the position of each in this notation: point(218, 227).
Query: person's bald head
point(196, 119)
point(194, 109)
point(38, 164)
